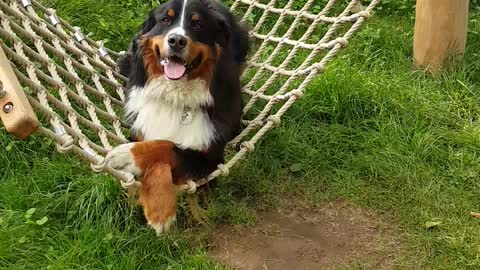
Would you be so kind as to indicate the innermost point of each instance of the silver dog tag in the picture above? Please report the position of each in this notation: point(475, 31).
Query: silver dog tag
point(187, 116)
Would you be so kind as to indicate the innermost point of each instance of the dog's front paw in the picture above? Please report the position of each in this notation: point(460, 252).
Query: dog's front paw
point(162, 225)
point(121, 158)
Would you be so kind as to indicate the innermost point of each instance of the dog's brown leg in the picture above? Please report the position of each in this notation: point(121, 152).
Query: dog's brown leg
point(153, 162)
point(158, 197)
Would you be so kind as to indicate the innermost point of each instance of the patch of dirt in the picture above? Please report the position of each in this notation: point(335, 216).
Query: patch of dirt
point(330, 236)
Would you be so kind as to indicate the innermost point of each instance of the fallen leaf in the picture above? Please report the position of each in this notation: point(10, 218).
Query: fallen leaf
point(22, 240)
point(431, 224)
point(296, 167)
point(108, 237)
point(10, 146)
point(29, 213)
point(42, 221)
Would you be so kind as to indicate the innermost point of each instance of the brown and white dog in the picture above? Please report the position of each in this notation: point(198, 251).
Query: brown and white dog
point(183, 101)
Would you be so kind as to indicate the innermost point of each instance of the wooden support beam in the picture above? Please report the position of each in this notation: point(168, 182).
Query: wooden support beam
point(440, 32)
point(16, 112)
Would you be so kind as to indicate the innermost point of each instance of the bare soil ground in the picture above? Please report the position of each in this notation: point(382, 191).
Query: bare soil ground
point(330, 236)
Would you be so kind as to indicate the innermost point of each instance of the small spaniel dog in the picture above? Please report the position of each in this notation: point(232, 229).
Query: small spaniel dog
point(183, 100)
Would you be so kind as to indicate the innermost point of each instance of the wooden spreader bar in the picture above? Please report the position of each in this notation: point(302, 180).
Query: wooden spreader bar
point(16, 112)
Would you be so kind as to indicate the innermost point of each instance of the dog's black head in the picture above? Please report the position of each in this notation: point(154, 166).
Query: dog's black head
point(183, 39)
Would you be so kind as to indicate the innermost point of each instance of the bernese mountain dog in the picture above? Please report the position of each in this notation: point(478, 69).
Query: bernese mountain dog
point(183, 100)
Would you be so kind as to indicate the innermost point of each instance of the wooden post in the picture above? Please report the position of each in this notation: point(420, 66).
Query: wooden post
point(440, 32)
point(16, 112)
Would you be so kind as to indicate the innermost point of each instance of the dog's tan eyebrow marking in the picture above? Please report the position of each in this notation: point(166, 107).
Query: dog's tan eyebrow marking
point(171, 13)
point(195, 17)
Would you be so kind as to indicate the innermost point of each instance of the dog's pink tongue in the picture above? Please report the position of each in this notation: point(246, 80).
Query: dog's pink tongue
point(174, 71)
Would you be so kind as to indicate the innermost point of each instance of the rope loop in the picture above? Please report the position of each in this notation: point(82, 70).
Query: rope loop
point(100, 165)
point(190, 187)
point(342, 41)
point(128, 181)
point(318, 66)
point(250, 147)
point(298, 94)
point(365, 14)
point(224, 171)
point(67, 144)
point(275, 120)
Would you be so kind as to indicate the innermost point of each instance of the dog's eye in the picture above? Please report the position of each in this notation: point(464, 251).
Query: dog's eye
point(166, 20)
point(196, 26)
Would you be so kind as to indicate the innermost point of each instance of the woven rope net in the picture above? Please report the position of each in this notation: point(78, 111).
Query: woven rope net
point(74, 87)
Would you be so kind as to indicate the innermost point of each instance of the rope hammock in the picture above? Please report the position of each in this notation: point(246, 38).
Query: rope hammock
point(77, 94)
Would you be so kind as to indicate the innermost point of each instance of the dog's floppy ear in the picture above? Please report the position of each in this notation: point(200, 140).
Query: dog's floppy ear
point(224, 31)
point(126, 61)
point(149, 23)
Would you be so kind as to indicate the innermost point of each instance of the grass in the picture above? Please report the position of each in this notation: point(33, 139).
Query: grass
point(371, 130)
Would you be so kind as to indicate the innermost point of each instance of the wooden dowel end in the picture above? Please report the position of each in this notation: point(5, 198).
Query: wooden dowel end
point(16, 112)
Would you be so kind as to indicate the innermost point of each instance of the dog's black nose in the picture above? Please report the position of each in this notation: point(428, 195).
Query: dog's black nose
point(177, 42)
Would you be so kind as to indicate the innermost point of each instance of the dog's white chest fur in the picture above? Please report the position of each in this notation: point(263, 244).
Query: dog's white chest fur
point(171, 110)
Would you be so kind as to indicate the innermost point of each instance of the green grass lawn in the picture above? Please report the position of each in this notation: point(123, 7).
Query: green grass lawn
point(371, 130)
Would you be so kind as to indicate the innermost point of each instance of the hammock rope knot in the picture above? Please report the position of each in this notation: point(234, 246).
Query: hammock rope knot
point(318, 66)
point(223, 169)
point(365, 14)
point(298, 94)
point(342, 41)
point(128, 181)
point(276, 121)
point(100, 165)
point(248, 146)
point(67, 144)
point(190, 187)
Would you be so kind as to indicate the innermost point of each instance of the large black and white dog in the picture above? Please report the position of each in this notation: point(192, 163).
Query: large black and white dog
point(184, 99)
